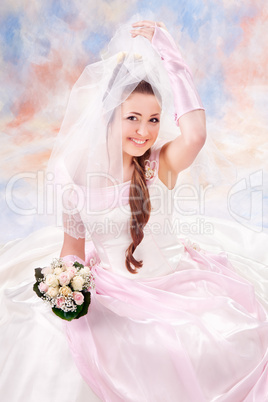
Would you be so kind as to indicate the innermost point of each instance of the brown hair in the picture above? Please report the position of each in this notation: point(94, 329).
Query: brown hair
point(139, 198)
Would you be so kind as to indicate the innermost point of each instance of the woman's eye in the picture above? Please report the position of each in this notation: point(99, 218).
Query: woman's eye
point(132, 118)
point(154, 120)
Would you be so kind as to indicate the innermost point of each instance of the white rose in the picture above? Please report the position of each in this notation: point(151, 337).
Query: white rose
point(65, 291)
point(53, 291)
point(47, 270)
point(51, 280)
point(58, 271)
point(77, 283)
point(87, 269)
point(84, 271)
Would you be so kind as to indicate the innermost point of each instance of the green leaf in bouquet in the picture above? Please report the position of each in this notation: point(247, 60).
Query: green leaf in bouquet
point(38, 276)
point(76, 264)
point(36, 290)
point(87, 300)
point(69, 315)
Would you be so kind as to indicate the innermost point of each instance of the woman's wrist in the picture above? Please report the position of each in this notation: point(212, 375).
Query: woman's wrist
point(165, 46)
point(72, 258)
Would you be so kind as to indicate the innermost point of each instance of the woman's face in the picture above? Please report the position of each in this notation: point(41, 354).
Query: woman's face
point(140, 115)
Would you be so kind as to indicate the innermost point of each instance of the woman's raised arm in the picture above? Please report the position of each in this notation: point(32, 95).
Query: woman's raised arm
point(178, 154)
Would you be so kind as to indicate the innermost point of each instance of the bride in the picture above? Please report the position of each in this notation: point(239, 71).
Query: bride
point(169, 320)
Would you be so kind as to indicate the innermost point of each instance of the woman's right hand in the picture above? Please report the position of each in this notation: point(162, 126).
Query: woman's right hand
point(146, 29)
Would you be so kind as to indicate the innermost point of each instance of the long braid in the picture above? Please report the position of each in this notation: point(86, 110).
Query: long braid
point(140, 204)
point(139, 198)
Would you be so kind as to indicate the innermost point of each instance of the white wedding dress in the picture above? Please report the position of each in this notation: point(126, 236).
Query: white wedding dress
point(188, 327)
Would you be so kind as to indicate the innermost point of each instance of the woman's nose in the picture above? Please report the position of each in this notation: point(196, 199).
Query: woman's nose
point(142, 130)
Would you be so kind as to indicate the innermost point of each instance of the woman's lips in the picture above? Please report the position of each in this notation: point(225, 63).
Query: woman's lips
point(139, 143)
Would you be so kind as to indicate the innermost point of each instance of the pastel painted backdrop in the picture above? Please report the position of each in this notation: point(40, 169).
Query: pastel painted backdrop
point(44, 46)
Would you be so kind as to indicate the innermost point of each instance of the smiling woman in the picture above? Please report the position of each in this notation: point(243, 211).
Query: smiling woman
point(173, 312)
point(140, 123)
point(168, 320)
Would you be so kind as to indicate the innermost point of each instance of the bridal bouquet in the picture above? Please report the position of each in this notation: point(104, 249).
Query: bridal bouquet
point(66, 287)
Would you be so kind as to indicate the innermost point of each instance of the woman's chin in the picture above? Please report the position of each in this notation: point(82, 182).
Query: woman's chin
point(137, 152)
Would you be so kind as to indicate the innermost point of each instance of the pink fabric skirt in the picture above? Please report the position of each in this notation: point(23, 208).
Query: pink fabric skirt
point(196, 335)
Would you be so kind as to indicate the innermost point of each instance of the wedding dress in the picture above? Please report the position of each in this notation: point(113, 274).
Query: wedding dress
point(188, 327)
point(192, 324)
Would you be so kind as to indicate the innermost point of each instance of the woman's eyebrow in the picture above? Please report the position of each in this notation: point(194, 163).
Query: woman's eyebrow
point(155, 114)
point(135, 113)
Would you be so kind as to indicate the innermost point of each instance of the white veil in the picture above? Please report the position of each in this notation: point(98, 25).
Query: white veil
point(87, 153)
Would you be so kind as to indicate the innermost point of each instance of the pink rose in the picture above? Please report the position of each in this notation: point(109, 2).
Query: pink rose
point(71, 271)
point(60, 301)
point(78, 298)
point(68, 263)
point(43, 287)
point(64, 278)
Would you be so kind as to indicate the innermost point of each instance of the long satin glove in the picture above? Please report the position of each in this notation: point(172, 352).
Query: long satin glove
point(186, 97)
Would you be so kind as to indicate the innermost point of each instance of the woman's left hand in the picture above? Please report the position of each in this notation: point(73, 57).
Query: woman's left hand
point(146, 29)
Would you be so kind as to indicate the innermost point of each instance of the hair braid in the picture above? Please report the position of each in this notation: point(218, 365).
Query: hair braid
point(139, 197)
point(140, 210)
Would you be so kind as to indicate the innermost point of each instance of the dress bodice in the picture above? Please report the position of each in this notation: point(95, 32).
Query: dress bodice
point(159, 250)
point(109, 228)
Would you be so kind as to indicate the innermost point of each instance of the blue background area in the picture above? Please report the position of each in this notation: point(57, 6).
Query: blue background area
point(45, 46)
